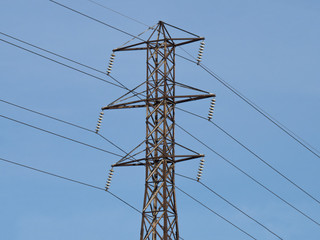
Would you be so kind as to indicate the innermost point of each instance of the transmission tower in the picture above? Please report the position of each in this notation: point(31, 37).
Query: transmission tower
point(159, 213)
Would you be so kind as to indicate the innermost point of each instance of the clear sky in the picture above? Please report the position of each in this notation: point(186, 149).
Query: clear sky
point(269, 50)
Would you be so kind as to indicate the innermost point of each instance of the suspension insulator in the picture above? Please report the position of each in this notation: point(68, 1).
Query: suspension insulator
point(211, 109)
point(99, 122)
point(110, 63)
point(109, 179)
point(200, 52)
point(200, 169)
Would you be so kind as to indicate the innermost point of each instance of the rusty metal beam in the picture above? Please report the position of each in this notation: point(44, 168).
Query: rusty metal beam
point(151, 46)
point(168, 98)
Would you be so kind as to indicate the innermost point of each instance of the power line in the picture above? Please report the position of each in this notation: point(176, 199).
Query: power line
point(96, 20)
point(263, 113)
point(214, 212)
point(99, 79)
point(43, 56)
point(63, 64)
point(85, 65)
point(72, 124)
point(46, 131)
point(189, 134)
point(89, 185)
point(135, 20)
point(68, 66)
point(86, 129)
point(293, 135)
point(55, 174)
point(87, 16)
point(254, 154)
point(71, 180)
point(61, 136)
point(122, 86)
point(132, 91)
point(74, 181)
point(267, 164)
point(177, 107)
point(282, 127)
point(53, 53)
point(249, 176)
point(108, 25)
point(58, 55)
point(110, 9)
point(139, 97)
point(231, 204)
point(65, 122)
point(45, 115)
point(290, 133)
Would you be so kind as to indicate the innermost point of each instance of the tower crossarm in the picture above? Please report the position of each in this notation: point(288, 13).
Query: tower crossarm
point(174, 42)
point(155, 101)
point(141, 161)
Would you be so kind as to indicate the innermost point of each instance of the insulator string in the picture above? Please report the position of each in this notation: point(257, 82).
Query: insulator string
point(99, 121)
point(200, 169)
point(111, 63)
point(212, 104)
point(109, 179)
point(200, 52)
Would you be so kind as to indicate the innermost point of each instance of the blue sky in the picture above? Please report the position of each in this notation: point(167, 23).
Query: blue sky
point(268, 50)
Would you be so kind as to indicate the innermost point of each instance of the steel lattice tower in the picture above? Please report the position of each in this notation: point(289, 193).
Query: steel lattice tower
point(159, 214)
point(159, 207)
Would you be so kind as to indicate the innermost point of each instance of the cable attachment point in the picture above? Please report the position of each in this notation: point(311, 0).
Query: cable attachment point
point(213, 102)
point(200, 169)
point(111, 63)
point(200, 52)
point(99, 121)
point(109, 179)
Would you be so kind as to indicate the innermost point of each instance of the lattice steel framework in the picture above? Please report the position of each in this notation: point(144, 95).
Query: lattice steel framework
point(159, 214)
point(159, 220)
